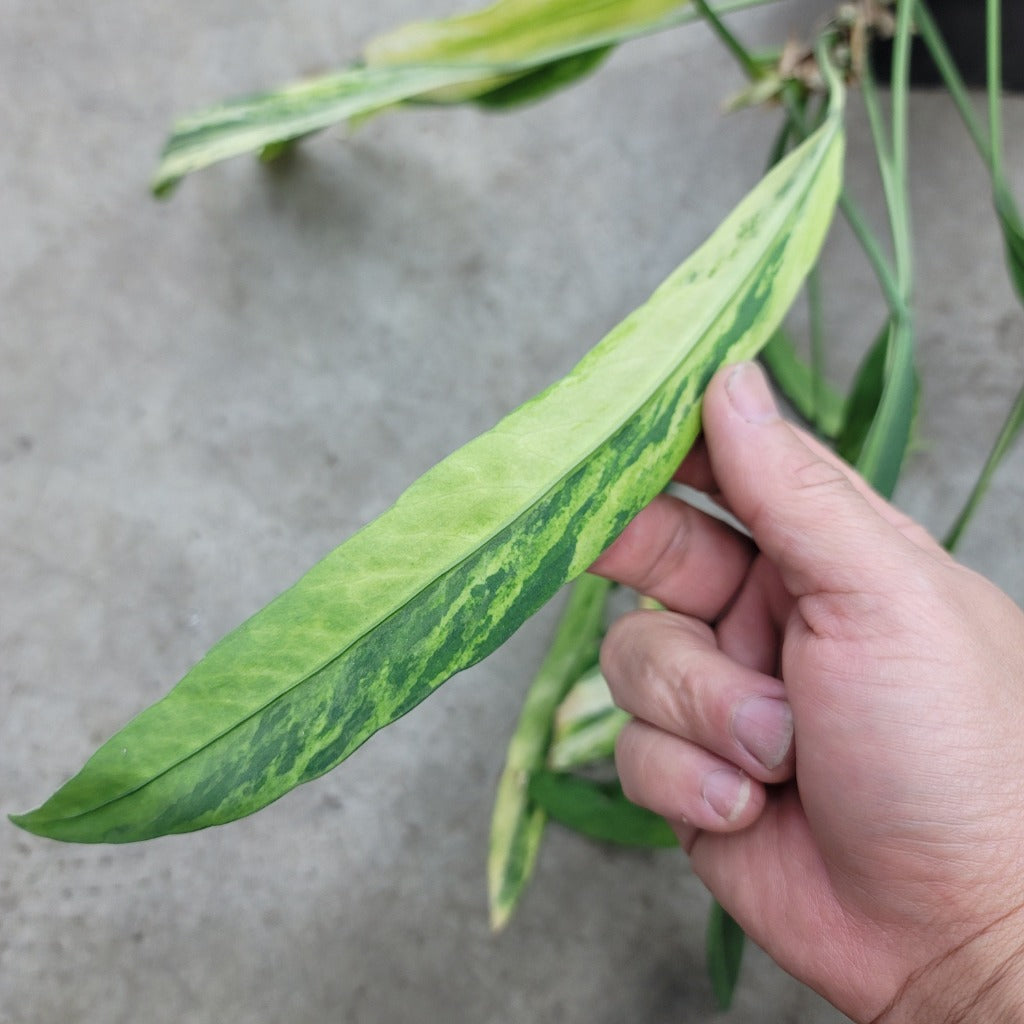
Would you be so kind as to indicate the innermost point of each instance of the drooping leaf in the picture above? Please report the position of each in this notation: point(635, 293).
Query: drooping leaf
point(724, 950)
point(472, 549)
point(529, 46)
point(586, 724)
point(599, 810)
point(810, 394)
point(517, 824)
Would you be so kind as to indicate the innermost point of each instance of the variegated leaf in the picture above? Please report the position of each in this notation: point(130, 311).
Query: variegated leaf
point(472, 549)
point(517, 823)
point(506, 53)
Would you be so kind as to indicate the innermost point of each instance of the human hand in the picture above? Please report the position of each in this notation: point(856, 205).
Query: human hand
point(831, 716)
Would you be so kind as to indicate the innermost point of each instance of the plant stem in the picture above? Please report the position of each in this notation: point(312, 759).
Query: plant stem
point(888, 436)
point(1011, 427)
point(797, 124)
point(732, 44)
point(994, 75)
point(817, 332)
point(891, 188)
point(990, 150)
point(872, 247)
point(902, 249)
point(857, 221)
point(952, 79)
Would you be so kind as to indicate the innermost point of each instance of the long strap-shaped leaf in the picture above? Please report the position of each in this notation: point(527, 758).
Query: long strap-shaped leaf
point(517, 824)
point(459, 58)
point(472, 549)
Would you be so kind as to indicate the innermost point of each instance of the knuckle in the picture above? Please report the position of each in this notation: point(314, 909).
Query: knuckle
point(813, 475)
point(674, 537)
point(685, 691)
point(621, 650)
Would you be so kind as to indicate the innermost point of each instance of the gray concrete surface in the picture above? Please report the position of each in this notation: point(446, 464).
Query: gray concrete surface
point(200, 398)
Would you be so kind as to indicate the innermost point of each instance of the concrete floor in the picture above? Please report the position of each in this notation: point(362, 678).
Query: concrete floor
point(200, 398)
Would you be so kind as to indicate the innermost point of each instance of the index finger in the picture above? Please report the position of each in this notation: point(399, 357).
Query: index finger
point(696, 471)
point(689, 561)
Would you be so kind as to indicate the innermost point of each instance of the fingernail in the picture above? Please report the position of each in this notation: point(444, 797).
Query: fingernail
point(750, 395)
point(764, 728)
point(727, 792)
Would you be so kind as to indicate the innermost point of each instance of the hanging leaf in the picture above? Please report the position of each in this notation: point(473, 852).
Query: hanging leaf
point(517, 824)
point(599, 810)
point(724, 951)
point(527, 47)
point(472, 549)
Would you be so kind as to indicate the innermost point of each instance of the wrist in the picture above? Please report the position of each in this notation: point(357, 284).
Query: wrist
point(979, 981)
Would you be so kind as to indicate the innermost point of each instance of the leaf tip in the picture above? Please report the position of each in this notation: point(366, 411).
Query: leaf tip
point(29, 822)
point(499, 917)
point(162, 187)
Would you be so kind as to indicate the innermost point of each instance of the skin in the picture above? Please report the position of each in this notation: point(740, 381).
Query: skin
point(830, 713)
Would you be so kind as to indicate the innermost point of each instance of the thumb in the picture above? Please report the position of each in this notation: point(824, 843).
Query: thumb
point(809, 513)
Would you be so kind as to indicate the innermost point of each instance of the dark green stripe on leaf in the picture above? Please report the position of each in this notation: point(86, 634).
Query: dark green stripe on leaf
point(549, 78)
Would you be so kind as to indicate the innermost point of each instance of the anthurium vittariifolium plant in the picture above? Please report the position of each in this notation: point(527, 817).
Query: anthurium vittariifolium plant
point(485, 538)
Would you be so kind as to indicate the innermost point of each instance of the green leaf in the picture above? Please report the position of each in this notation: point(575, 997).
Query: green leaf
point(529, 46)
point(516, 823)
point(862, 402)
point(599, 810)
point(264, 121)
point(725, 941)
point(473, 548)
point(810, 394)
point(586, 724)
point(878, 426)
point(888, 438)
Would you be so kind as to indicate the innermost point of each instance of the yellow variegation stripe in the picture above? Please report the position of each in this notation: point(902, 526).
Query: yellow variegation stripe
point(586, 724)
